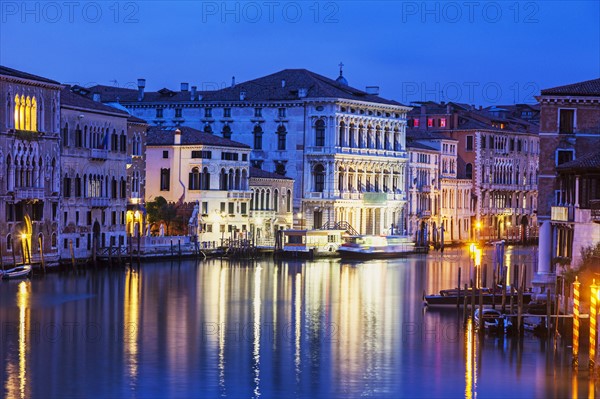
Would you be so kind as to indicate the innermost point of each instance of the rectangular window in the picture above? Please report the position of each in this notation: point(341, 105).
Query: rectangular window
point(113, 218)
point(244, 157)
point(281, 141)
point(165, 179)
point(282, 112)
point(231, 206)
point(208, 112)
point(77, 217)
point(89, 218)
point(443, 122)
point(416, 122)
point(177, 112)
point(159, 112)
point(243, 208)
point(205, 208)
point(469, 143)
point(226, 112)
point(202, 154)
point(564, 156)
point(165, 154)
point(429, 122)
point(229, 156)
point(257, 112)
point(566, 123)
point(223, 207)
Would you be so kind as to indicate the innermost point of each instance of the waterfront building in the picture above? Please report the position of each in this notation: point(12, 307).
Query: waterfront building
point(440, 207)
point(343, 147)
point(569, 197)
point(93, 160)
point(136, 177)
point(271, 204)
point(499, 153)
point(30, 167)
point(185, 165)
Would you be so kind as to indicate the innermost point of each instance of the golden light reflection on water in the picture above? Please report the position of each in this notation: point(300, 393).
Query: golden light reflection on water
point(222, 317)
point(131, 323)
point(470, 361)
point(16, 381)
point(298, 324)
point(256, 306)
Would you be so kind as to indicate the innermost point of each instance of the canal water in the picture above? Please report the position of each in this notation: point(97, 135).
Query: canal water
point(215, 328)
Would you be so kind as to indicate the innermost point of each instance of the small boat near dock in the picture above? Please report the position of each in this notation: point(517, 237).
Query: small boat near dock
point(309, 244)
point(364, 247)
point(489, 319)
point(22, 271)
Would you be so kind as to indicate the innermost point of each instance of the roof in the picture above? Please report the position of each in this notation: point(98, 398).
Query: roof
point(590, 161)
point(263, 174)
point(585, 88)
point(68, 98)
point(280, 86)
point(24, 75)
point(420, 146)
point(135, 119)
point(160, 136)
point(427, 135)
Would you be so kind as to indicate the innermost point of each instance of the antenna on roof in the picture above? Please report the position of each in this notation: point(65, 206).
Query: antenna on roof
point(114, 82)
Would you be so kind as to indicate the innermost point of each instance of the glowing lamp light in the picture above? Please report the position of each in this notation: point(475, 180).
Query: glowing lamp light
point(478, 225)
point(23, 236)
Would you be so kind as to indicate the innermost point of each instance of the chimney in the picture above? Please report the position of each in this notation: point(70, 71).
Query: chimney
point(232, 81)
point(96, 96)
point(184, 86)
point(141, 86)
point(242, 95)
point(193, 93)
point(177, 136)
point(372, 90)
point(282, 83)
point(302, 92)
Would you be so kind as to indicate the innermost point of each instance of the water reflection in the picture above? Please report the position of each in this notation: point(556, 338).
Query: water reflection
point(262, 329)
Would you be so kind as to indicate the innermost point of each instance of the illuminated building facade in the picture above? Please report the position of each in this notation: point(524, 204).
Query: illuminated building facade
point(343, 147)
point(29, 166)
point(569, 173)
point(186, 165)
point(93, 147)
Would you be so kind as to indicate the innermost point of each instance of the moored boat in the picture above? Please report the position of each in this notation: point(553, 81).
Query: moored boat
point(16, 272)
point(453, 297)
point(376, 247)
point(311, 243)
point(489, 319)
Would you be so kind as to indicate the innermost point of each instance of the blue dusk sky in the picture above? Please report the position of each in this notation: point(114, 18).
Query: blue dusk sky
point(478, 52)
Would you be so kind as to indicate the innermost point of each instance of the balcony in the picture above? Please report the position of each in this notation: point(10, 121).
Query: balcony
point(29, 193)
point(239, 194)
point(99, 154)
point(426, 189)
point(425, 214)
point(99, 202)
point(562, 214)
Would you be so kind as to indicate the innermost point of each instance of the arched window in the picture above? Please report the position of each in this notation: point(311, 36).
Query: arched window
point(351, 138)
point(205, 179)
point(341, 138)
point(194, 179)
point(276, 200)
point(320, 133)
point(28, 113)
point(319, 178)
point(226, 132)
point(369, 137)
point(123, 184)
point(77, 186)
point(469, 171)
point(289, 201)
point(123, 142)
point(223, 180)
point(281, 135)
point(34, 119)
point(9, 243)
point(65, 135)
point(54, 241)
point(258, 133)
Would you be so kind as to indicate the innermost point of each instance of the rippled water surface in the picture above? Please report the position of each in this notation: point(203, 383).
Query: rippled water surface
point(322, 329)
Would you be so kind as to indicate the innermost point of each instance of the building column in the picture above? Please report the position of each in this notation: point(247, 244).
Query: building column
point(576, 191)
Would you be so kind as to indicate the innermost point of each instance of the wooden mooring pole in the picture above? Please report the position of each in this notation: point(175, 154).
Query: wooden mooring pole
point(72, 254)
point(41, 247)
point(576, 286)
